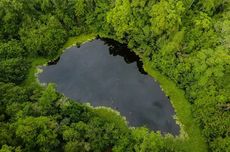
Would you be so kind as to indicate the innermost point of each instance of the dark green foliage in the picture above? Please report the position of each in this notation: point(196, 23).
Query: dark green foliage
point(186, 40)
point(44, 38)
point(11, 49)
point(10, 18)
point(13, 70)
point(10, 94)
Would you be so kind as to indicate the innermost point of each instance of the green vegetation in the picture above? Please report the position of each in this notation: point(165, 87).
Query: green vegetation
point(78, 40)
point(184, 44)
point(190, 131)
point(38, 61)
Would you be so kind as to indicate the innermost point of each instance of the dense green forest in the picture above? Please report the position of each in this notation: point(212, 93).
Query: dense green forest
point(188, 41)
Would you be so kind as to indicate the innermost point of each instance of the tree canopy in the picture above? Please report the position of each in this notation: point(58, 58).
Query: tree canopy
point(188, 41)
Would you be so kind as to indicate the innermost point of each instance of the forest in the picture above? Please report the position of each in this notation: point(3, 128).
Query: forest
point(187, 41)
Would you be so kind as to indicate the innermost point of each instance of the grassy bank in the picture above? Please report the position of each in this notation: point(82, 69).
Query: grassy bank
point(190, 131)
point(72, 41)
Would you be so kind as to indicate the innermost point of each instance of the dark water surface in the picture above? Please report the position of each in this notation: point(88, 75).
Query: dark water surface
point(106, 73)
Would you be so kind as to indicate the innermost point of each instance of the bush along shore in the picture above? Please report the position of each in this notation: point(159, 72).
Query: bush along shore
point(184, 45)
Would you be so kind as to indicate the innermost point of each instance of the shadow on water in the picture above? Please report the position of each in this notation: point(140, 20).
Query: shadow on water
point(118, 49)
point(107, 73)
point(53, 62)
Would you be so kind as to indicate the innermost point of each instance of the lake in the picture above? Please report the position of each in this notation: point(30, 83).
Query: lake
point(106, 73)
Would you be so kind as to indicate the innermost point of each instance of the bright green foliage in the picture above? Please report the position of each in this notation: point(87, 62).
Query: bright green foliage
point(37, 132)
point(80, 8)
point(210, 6)
point(166, 16)
point(202, 21)
point(6, 148)
point(119, 17)
point(173, 45)
point(187, 41)
point(145, 141)
point(47, 99)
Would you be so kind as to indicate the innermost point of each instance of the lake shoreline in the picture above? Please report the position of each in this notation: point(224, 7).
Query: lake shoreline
point(186, 133)
point(105, 72)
